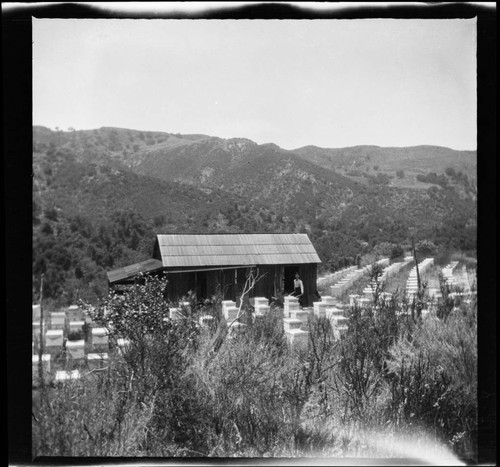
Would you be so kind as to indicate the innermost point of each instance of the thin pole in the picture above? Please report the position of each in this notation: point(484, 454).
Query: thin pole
point(40, 346)
point(416, 263)
point(418, 304)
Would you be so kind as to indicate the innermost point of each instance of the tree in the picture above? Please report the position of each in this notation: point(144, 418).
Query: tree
point(426, 248)
point(450, 171)
point(251, 279)
point(397, 252)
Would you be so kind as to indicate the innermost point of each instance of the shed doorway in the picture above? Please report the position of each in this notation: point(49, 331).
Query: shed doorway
point(289, 276)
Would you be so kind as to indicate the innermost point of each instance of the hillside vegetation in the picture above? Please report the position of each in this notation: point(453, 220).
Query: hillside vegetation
point(99, 197)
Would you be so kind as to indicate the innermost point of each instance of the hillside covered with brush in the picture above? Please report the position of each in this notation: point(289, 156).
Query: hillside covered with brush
point(99, 197)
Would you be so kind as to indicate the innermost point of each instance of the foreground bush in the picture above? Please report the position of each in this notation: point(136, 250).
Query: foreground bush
point(435, 379)
point(181, 389)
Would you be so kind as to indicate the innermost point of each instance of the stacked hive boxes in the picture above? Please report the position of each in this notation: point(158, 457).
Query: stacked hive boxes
point(434, 293)
point(57, 320)
point(96, 360)
point(295, 322)
point(36, 312)
point(235, 328)
point(297, 337)
point(320, 309)
point(123, 345)
point(261, 306)
point(228, 304)
point(339, 321)
point(75, 349)
point(206, 320)
point(353, 298)
point(54, 339)
point(412, 282)
point(329, 309)
point(62, 375)
point(100, 340)
point(229, 310)
point(293, 310)
point(364, 302)
point(348, 281)
point(328, 300)
point(386, 297)
point(76, 326)
point(448, 273)
point(73, 313)
point(336, 276)
point(290, 304)
point(291, 323)
point(185, 308)
point(65, 324)
point(389, 270)
point(175, 314)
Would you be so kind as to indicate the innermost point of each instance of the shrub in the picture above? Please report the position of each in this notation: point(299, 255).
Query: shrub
point(426, 248)
point(435, 379)
point(450, 171)
point(182, 390)
point(98, 415)
point(397, 252)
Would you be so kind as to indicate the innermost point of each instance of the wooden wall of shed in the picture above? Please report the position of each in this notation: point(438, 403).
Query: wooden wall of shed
point(156, 251)
point(179, 284)
point(231, 282)
point(227, 284)
point(265, 287)
point(308, 274)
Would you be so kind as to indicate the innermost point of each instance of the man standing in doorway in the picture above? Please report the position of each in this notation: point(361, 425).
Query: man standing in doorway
point(298, 288)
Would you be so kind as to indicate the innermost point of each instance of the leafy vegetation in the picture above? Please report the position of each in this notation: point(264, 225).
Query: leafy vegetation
point(173, 393)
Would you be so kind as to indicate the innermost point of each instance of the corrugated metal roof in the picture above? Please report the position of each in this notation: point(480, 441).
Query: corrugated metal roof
point(148, 265)
point(235, 249)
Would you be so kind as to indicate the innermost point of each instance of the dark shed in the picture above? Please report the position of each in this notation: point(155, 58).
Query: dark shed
point(208, 263)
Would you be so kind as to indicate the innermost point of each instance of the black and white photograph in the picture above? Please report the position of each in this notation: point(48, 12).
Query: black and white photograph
point(255, 239)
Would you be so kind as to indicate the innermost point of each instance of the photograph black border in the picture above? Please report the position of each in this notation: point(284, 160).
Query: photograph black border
point(17, 164)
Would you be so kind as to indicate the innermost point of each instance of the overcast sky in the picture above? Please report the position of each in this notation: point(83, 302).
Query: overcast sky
point(330, 83)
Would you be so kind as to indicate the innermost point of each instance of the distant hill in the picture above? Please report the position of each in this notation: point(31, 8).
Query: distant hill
point(104, 193)
point(412, 161)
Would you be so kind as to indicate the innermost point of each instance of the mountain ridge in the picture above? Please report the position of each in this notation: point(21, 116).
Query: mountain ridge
point(123, 185)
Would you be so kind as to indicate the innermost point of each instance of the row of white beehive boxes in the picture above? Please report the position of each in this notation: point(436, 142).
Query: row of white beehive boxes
point(389, 270)
point(348, 281)
point(337, 275)
point(73, 319)
point(230, 311)
point(93, 360)
point(54, 340)
point(57, 320)
point(412, 282)
point(295, 321)
point(60, 323)
point(76, 350)
point(180, 312)
point(326, 308)
point(448, 271)
point(370, 288)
